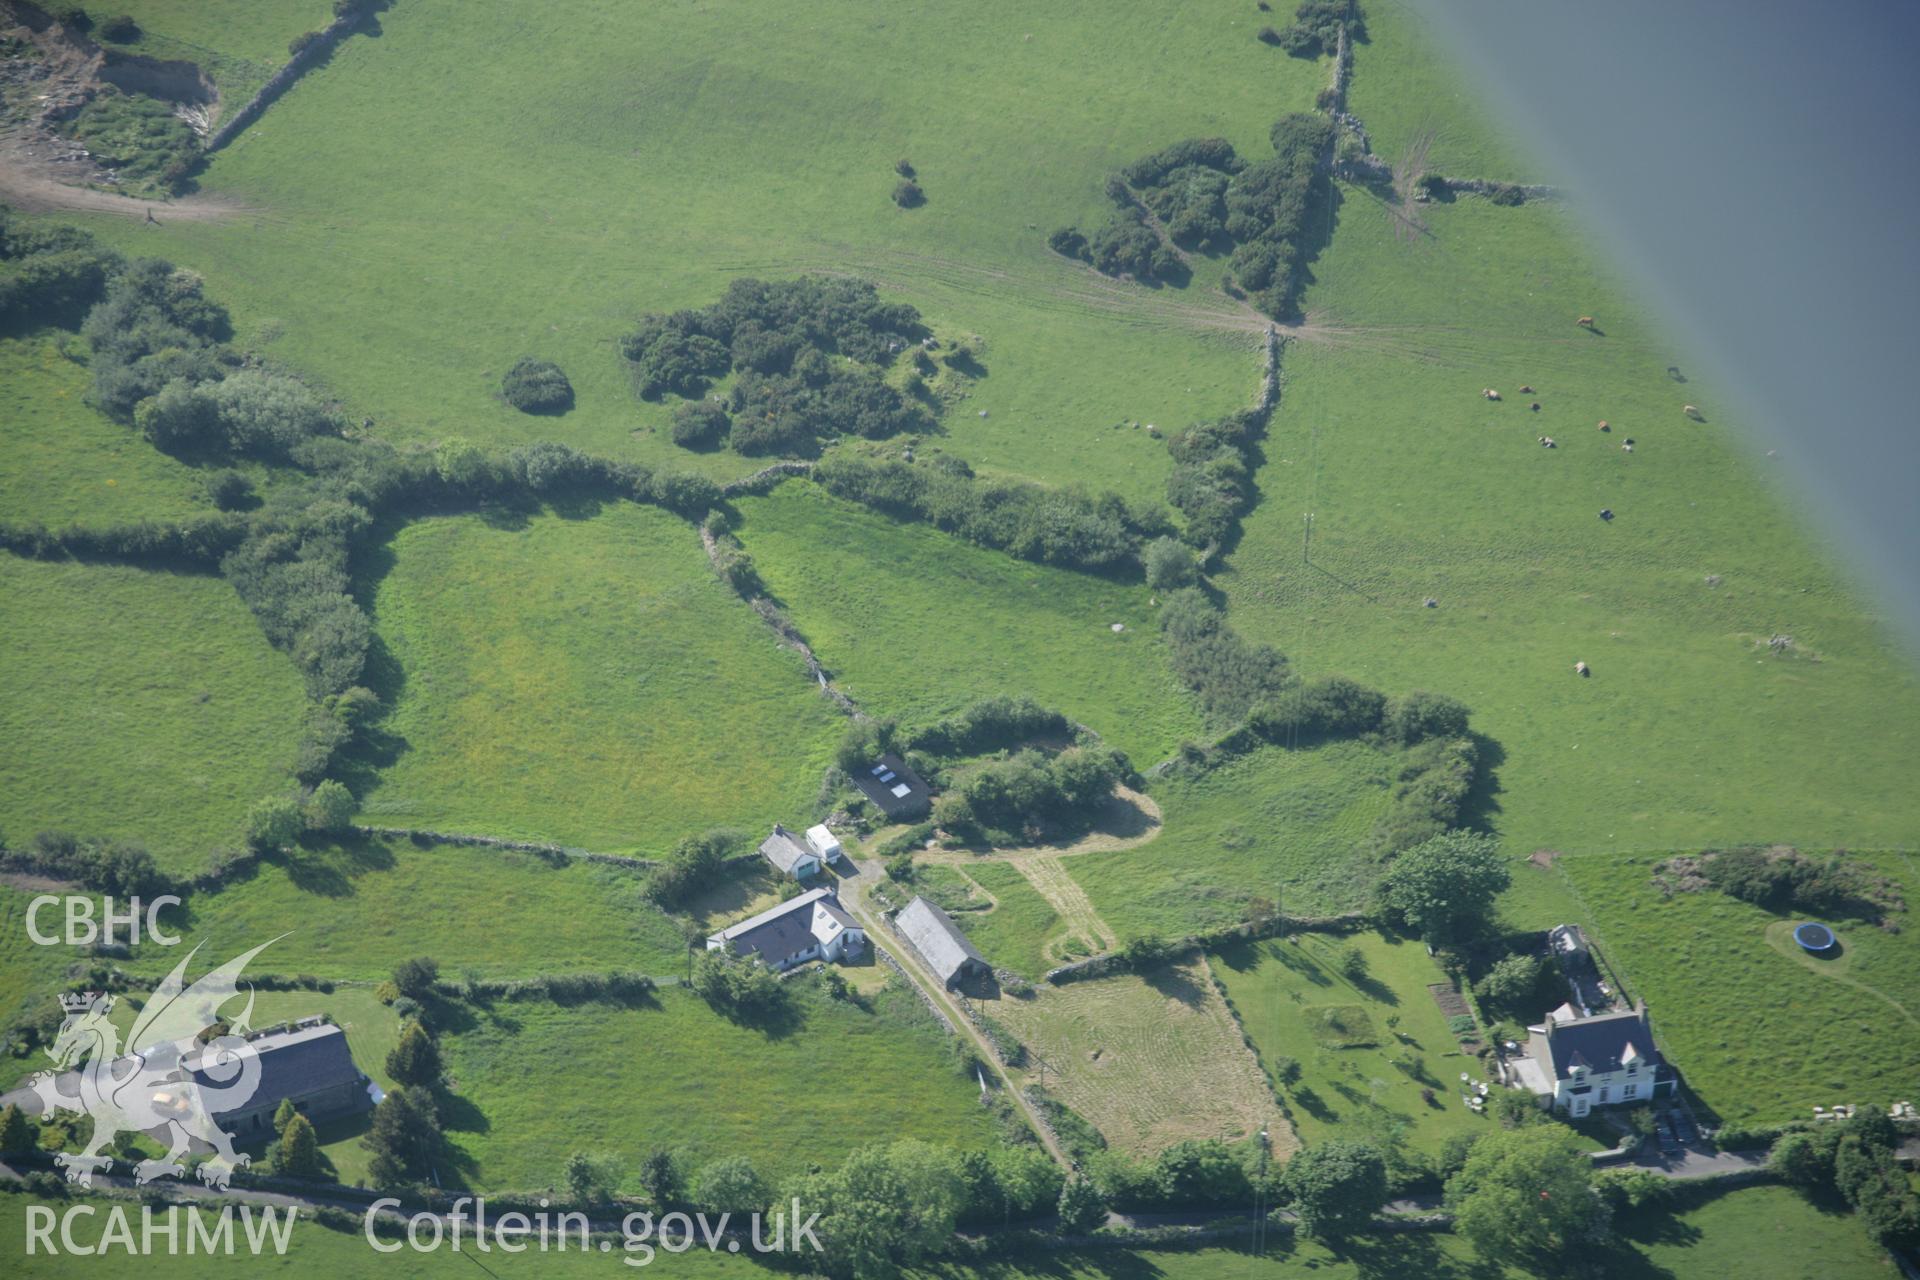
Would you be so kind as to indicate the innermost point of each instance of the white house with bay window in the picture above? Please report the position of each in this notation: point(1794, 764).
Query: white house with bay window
point(1579, 1063)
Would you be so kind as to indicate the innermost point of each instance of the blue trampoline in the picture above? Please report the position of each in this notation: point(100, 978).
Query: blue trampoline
point(1814, 937)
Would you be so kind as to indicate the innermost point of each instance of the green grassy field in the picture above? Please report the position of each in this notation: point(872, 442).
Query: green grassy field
point(1728, 988)
point(915, 623)
point(1405, 87)
point(355, 910)
point(410, 306)
point(587, 681)
point(30, 974)
point(1015, 933)
point(1689, 731)
point(680, 1076)
point(1276, 987)
point(63, 463)
point(143, 706)
point(238, 43)
point(1291, 827)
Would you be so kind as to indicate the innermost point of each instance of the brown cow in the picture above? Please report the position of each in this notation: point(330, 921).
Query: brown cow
point(1491, 394)
point(1604, 425)
point(1581, 667)
point(1585, 322)
point(1690, 411)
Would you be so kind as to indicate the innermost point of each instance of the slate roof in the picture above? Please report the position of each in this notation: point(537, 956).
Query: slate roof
point(785, 930)
point(783, 851)
point(896, 788)
point(937, 938)
point(1600, 1043)
point(293, 1064)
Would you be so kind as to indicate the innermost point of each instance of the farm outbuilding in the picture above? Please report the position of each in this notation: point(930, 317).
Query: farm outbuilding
point(788, 856)
point(823, 842)
point(899, 792)
point(946, 950)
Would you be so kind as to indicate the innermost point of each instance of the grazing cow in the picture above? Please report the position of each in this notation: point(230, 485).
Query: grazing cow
point(1690, 411)
point(1581, 667)
point(1606, 513)
point(1604, 425)
point(1491, 394)
point(1535, 406)
point(1526, 391)
point(1585, 322)
point(1628, 446)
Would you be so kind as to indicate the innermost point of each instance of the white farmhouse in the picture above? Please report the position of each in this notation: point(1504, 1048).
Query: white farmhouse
point(813, 926)
point(1577, 1064)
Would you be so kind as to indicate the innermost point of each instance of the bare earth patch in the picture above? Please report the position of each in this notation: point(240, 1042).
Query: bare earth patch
point(1149, 1061)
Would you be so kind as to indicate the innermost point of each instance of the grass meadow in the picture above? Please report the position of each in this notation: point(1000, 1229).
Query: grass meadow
point(1371, 1089)
point(1149, 1060)
point(238, 43)
point(30, 974)
point(62, 462)
point(355, 909)
point(586, 681)
point(915, 623)
point(1021, 926)
point(1689, 731)
point(1288, 826)
point(410, 306)
point(140, 705)
point(678, 1075)
point(1760, 1030)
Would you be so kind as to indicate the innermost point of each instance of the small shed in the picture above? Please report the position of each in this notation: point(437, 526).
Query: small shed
point(895, 788)
point(823, 842)
point(946, 950)
point(788, 856)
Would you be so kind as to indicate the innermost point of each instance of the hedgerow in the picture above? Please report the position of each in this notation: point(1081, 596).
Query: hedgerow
point(1053, 526)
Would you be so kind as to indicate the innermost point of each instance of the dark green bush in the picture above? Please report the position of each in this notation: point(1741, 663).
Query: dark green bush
point(121, 29)
point(537, 386)
point(701, 425)
point(908, 195)
point(229, 490)
point(1069, 243)
point(1229, 675)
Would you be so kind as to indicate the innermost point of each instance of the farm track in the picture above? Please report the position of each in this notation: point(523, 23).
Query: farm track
point(883, 939)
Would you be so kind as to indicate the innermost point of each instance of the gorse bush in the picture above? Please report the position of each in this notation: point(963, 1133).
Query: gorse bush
point(992, 724)
point(537, 386)
point(694, 864)
point(1030, 797)
point(701, 425)
point(1316, 27)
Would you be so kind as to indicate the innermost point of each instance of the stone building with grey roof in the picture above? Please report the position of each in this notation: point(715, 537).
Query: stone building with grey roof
point(946, 950)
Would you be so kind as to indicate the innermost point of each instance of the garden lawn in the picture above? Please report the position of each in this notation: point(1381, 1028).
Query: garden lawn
point(1292, 827)
point(680, 1076)
point(915, 623)
point(1689, 731)
point(357, 908)
point(1022, 930)
point(1277, 988)
point(1760, 1030)
point(376, 269)
point(587, 681)
point(140, 705)
point(62, 462)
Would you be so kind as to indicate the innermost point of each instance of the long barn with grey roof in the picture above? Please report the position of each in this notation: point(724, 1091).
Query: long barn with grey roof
point(946, 950)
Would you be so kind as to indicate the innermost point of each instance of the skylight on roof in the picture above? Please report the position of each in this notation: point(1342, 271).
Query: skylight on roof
point(902, 791)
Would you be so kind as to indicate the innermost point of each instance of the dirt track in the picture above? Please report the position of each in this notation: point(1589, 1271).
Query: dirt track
point(32, 193)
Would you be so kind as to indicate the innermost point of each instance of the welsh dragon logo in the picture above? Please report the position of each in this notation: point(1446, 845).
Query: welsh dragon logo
point(169, 1081)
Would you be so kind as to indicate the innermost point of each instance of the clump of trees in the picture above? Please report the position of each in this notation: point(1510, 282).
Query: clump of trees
point(1030, 797)
point(811, 354)
point(537, 386)
point(1855, 1159)
point(991, 724)
point(739, 987)
point(1053, 526)
point(1782, 878)
point(1316, 26)
point(405, 1137)
point(1212, 477)
point(1526, 1197)
point(1336, 1187)
point(693, 864)
point(1444, 889)
point(49, 275)
point(123, 868)
point(1208, 197)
